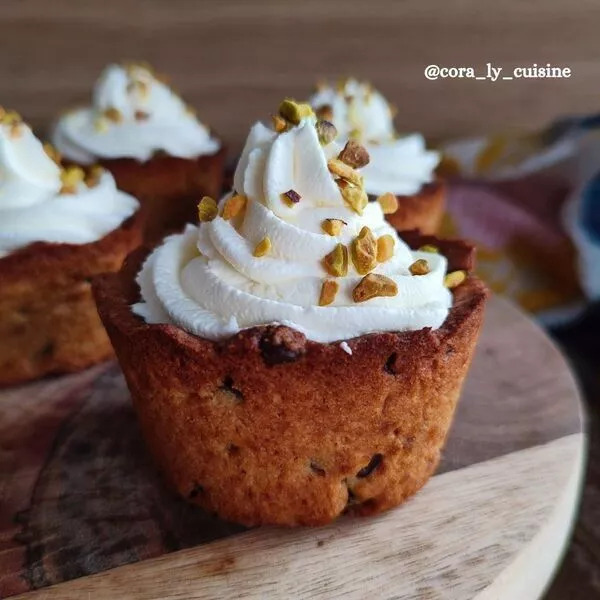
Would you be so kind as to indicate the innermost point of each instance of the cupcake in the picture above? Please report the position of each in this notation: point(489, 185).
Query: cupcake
point(58, 228)
point(291, 358)
point(152, 143)
point(401, 165)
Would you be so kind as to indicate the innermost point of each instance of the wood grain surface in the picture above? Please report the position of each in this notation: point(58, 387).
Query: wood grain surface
point(492, 523)
point(235, 60)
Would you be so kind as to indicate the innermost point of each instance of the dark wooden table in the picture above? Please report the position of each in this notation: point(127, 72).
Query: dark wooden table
point(579, 575)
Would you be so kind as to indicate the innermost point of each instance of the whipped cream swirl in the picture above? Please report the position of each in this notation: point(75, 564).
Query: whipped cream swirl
point(401, 165)
point(32, 207)
point(208, 281)
point(133, 115)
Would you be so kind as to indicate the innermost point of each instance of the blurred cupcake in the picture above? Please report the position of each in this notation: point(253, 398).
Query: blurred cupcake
point(153, 144)
point(292, 358)
point(399, 164)
point(58, 228)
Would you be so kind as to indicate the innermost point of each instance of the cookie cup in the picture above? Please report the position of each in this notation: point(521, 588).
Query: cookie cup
point(268, 427)
point(48, 318)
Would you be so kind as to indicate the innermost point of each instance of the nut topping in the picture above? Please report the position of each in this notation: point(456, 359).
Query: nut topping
point(93, 175)
point(52, 152)
point(333, 226)
point(388, 203)
point(294, 112)
point(291, 197)
point(233, 206)
point(372, 286)
point(336, 262)
point(207, 209)
point(385, 247)
point(113, 114)
point(279, 123)
point(141, 115)
point(324, 112)
point(326, 131)
point(354, 154)
point(354, 196)
point(344, 171)
point(454, 279)
point(71, 177)
point(429, 248)
point(419, 267)
point(262, 248)
point(364, 251)
point(329, 289)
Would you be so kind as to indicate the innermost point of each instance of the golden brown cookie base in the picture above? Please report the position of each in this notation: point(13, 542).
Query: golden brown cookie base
point(48, 318)
point(423, 210)
point(169, 188)
point(269, 428)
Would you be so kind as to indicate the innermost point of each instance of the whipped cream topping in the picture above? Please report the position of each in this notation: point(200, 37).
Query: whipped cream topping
point(209, 282)
point(133, 115)
point(32, 207)
point(401, 165)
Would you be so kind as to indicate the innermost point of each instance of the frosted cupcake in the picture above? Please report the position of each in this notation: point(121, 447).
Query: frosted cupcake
point(153, 144)
point(401, 165)
point(292, 358)
point(58, 228)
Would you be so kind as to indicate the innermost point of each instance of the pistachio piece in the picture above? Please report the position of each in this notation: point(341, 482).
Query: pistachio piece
point(355, 134)
point(16, 130)
point(294, 112)
point(113, 114)
point(326, 131)
point(291, 197)
point(324, 112)
point(262, 248)
point(419, 267)
point(385, 247)
point(70, 178)
point(329, 289)
point(141, 115)
point(354, 155)
point(364, 251)
point(233, 206)
point(372, 286)
point(388, 203)
point(52, 152)
point(454, 279)
point(279, 123)
point(207, 209)
point(137, 86)
point(10, 117)
point(333, 226)
point(429, 248)
point(355, 197)
point(344, 171)
point(336, 262)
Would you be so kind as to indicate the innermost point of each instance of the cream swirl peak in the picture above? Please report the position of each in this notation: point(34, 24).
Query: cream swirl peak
point(133, 115)
point(292, 245)
point(39, 201)
point(399, 164)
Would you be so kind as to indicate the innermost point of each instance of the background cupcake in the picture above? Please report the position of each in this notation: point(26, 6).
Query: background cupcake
point(292, 358)
point(157, 150)
point(58, 228)
point(400, 164)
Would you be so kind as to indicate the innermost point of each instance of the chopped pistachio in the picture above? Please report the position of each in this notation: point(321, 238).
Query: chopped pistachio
point(113, 114)
point(233, 206)
point(354, 155)
point(336, 262)
point(279, 123)
point(16, 130)
point(70, 178)
point(100, 124)
point(364, 251)
point(326, 131)
point(429, 248)
point(262, 248)
point(207, 209)
point(294, 112)
point(138, 87)
point(344, 171)
point(291, 197)
point(141, 115)
point(372, 286)
point(333, 226)
point(388, 203)
point(355, 134)
point(10, 117)
point(329, 290)
point(354, 196)
point(324, 112)
point(454, 279)
point(93, 175)
point(419, 267)
point(52, 152)
point(385, 247)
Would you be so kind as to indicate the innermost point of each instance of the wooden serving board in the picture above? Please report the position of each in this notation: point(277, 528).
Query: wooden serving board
point(78, 496)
